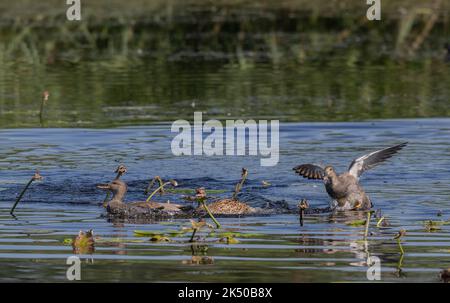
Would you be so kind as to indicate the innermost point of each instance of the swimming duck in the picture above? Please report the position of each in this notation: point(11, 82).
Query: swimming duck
point(117, 207)
point(344, 189)
point(224, 206)
point(228, 206)
point(120, 171)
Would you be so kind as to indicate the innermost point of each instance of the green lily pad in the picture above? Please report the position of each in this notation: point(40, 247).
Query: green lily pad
point(68, 241)
point(357, 223)
point(159, 238)
point(229, 240)
point(147, 233)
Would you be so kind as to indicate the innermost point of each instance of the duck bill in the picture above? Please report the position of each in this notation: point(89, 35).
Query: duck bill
point(103, 186)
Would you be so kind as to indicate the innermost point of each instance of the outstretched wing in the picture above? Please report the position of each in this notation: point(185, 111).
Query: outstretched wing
point(310, 171)
point(361, 164)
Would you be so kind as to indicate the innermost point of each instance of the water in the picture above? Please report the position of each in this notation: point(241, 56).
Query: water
point(122, 75)
point(109, 93)
point(411, 188)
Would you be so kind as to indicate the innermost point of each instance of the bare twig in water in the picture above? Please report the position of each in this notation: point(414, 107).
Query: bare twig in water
point(171, 182)
point(36, 177)
point(238, 187)
point(44, 100)
point(302, 206)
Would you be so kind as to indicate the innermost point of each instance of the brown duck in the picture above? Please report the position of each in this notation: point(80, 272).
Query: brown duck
point(117, 206)
point(344, 189)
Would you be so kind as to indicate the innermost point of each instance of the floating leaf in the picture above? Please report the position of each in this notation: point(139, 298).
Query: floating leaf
point(68, 241)
point(159, 238)
point(229, 240)
point(356, 223)
point(431, 226)
point(147, 233)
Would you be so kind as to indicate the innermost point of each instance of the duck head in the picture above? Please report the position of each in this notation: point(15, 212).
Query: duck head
point(329, 171)
point(117, 187)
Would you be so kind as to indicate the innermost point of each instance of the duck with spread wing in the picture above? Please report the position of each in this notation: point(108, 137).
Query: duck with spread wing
point(344, 189)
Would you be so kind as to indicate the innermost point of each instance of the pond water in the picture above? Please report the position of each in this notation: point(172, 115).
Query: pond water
point(411, 188)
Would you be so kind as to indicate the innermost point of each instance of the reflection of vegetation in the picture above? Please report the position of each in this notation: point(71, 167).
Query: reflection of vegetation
point(313, 60)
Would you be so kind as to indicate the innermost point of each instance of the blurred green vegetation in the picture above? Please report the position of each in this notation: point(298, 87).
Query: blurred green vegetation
point(136, 61)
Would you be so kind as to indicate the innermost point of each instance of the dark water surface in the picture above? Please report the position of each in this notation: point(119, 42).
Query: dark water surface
point(411, 188)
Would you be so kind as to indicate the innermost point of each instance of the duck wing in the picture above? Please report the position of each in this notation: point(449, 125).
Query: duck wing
point(366, 162)
point(310, 171)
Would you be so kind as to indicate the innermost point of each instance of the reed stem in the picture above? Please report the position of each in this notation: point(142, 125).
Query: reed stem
point(36, 176)
point(193, 235)
point(238, 187)
point(150, 184)
point(173, 182)
point(210, 214)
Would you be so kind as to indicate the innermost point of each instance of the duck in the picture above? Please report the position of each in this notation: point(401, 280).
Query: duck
point(117, 207)
point(224, 206)
point(344, 189)
point(120, 171)
point(227, 206)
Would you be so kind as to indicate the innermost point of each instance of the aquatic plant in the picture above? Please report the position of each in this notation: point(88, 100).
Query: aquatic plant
point(398, 237)
point(302, 206)
point(36, 177)
point(170, 182)
point(152, 182)
point(229, 240)
point(431, 226)
point(196, 226)
point(201, 199)
point(84, 242)
point(381, 221)
point(159, 238)
point(238, 186)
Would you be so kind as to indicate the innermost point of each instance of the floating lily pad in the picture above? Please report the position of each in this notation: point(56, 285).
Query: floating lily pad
point(229, 240)
point(147, 233)
point(159, 238)
point(68, 241)
point(356, 223)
